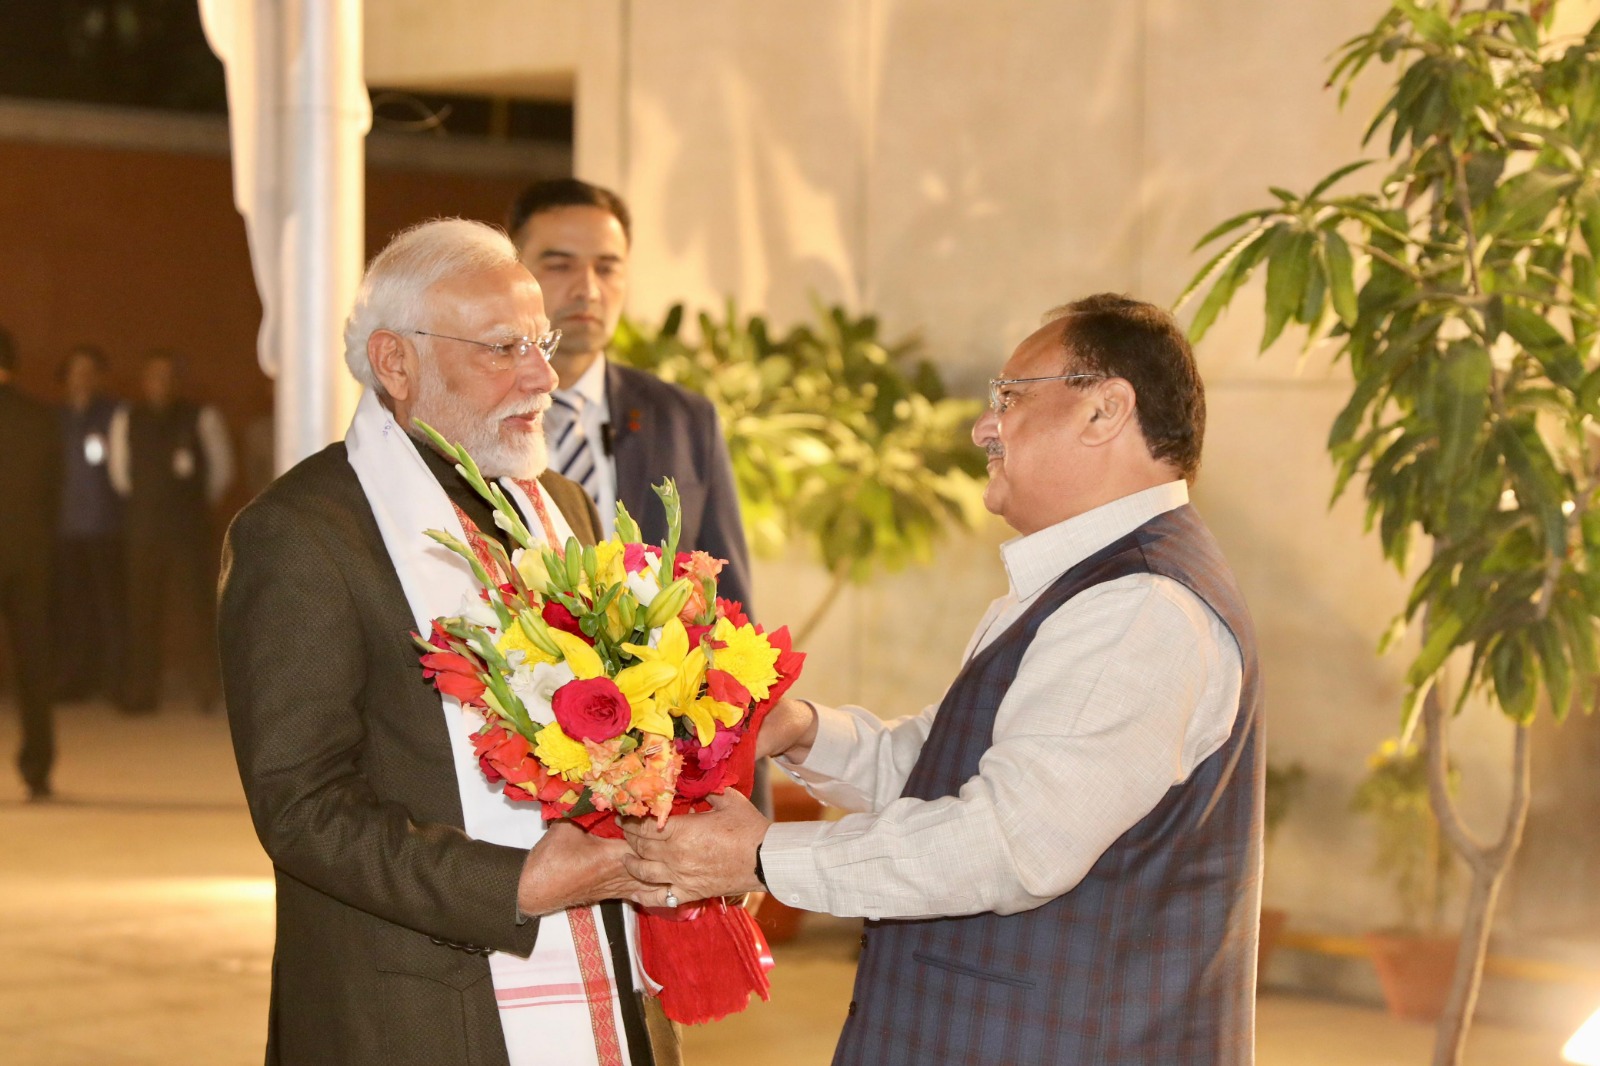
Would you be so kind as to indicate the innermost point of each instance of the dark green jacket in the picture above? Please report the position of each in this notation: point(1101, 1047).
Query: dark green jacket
point(346, 764)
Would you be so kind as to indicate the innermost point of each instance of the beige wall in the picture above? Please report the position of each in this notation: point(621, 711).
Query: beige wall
point(959, 168)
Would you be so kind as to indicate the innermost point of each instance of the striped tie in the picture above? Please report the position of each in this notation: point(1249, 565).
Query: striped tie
point(571, 452)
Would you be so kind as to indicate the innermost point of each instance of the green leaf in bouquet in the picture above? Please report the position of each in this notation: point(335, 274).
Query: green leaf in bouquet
point(668, 492)
point(506, 516)
point(574, 565)
point(591, 565)
point(535, 629)
point(503, 702)
point(626, 527)
point(585, 804)
point(668, 602)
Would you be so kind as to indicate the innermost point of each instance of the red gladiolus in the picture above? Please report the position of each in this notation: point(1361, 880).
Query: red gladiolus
point(726, 688)
point(593, 710)
point(454, 675)
point(733, 611)
point(788, 664)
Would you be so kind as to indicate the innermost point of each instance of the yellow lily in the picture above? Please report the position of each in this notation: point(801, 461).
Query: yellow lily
point(584, 660)
point(679, 693)
point(640, 683)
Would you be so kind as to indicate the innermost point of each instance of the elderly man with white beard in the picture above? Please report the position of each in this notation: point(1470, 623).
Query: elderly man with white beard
point(421, 916)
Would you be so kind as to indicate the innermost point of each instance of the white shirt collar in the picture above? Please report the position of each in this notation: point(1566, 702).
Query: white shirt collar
point(1033, 561)
point(592, 387)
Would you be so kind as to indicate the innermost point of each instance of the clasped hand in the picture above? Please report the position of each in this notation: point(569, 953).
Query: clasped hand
point(691, 857)
point(697, 856)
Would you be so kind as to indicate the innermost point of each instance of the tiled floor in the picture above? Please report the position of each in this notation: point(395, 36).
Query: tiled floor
point(136, 928)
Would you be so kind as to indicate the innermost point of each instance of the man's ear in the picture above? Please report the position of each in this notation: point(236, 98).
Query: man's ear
point(391, 365)
point(1114, 408)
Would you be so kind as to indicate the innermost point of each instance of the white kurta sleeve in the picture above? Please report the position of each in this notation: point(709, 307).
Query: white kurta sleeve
point(1121, 694)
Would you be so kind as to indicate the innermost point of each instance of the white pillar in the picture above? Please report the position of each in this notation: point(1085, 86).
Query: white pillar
point(298, 114)
point(322, 156)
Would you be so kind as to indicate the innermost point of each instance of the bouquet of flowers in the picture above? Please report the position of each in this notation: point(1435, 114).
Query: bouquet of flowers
point(614, 681)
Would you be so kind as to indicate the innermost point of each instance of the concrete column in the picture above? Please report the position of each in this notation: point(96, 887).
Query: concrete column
point(323, 221)
point(298, 114)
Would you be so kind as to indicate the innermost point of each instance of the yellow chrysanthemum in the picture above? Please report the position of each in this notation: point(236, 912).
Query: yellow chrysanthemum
point(560, 753)
point(748, 657)
point(515, 639)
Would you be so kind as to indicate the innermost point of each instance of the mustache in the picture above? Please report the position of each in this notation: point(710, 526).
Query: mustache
point(516, 408)
point(994, 450)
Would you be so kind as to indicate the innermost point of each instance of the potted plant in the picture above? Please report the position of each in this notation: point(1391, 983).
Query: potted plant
point(840, 439)
point(1415, 960)
point(1464, 294)
point(1284, 784)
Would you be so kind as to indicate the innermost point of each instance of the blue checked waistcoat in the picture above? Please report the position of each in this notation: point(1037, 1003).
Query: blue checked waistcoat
point(1151, 959)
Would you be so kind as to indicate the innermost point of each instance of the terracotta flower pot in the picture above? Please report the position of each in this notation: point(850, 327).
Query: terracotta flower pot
point(1415, 972)
point(1273, 919)
point(790, 803)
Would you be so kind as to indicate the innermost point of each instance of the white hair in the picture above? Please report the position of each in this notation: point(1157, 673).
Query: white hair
point(416, 259)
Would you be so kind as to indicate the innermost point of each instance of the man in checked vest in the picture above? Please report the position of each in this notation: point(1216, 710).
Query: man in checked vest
point(1060, 862)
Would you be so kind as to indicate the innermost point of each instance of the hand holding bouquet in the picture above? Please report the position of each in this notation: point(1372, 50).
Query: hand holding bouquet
point(612, 681)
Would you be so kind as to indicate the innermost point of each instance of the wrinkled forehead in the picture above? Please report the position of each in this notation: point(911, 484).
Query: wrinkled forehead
point(506, 299)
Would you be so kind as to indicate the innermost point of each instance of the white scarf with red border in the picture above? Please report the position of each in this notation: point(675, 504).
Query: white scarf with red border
point(545, 999)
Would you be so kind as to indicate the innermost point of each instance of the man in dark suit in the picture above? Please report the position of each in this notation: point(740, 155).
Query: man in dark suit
point(170, 459)
point(30, 486)
point(90, 584)
point(617, 430)
point(412, 914)
point(1061, 860)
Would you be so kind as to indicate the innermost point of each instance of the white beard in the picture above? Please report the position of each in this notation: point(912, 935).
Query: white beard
point(520, 455)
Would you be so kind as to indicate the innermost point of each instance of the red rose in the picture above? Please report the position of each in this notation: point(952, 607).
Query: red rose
point(594, 709)
point(556, 616)
point(696, 782)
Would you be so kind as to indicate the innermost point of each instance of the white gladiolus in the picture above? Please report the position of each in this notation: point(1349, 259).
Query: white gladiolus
point(475, 610)
point(536, 688)
point(645, 586)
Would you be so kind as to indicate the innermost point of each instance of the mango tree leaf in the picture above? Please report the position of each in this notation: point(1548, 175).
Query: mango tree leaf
point(1463, 401)
point(1287, 271)
point(1232, 276)
point(1545, 343)
point(1341, 275)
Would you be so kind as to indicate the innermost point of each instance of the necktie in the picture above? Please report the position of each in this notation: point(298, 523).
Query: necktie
point(572, 453)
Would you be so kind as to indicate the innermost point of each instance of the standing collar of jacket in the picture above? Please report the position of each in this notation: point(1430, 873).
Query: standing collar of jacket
point(1035, 560)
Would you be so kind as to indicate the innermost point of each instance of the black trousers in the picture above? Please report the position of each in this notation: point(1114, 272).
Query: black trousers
point(25, 578)
point(172, 590)
point(91, 617)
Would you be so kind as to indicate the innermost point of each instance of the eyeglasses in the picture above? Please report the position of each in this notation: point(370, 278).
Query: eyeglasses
point(1000, 400)
point(509, 353)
